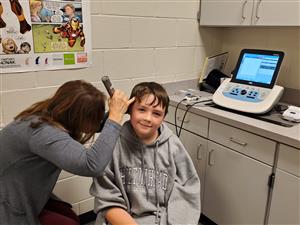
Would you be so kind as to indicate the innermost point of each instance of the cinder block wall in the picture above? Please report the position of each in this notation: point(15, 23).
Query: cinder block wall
point(286, 39)
point(132, 41)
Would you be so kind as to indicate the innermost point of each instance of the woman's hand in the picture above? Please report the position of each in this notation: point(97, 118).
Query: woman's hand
point(118, 105)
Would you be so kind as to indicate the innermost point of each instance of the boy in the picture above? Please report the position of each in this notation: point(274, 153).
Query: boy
point(151, 178)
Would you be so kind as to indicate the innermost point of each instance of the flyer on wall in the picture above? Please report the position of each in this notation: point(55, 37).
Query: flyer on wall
point(44, 35)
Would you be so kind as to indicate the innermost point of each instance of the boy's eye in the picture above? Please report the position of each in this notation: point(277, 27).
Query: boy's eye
point(141, 109)
point(157, 113)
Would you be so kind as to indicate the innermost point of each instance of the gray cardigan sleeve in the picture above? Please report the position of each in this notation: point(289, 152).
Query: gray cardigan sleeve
point(63, 151)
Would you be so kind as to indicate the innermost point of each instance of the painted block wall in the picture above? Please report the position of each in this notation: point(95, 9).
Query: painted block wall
point(132, 41)
point(286, 39)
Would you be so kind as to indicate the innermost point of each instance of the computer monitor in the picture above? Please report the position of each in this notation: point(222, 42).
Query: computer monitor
point(258, 67)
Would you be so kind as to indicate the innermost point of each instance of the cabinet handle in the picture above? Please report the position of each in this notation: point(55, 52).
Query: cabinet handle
point(257, 9)
point(238, 142)
point(210, 158)
point(199, 152)
point(243, 10)
point(180, 120)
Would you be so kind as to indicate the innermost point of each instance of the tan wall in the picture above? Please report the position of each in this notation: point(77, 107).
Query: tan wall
point(286, 39)
point(132, 41)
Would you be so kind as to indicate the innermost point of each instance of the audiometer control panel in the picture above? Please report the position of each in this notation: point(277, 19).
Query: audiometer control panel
point(245, 92)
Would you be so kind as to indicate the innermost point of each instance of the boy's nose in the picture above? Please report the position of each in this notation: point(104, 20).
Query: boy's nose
point(148, 116)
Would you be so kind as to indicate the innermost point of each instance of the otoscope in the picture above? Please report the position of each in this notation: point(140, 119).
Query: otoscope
point(108, 85)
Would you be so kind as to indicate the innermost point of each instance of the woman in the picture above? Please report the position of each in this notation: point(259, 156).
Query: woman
point(48, 137)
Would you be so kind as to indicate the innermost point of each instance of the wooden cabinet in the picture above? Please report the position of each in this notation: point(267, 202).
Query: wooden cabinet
point(236, 182)
point(226, 12)
point(250, 12)
point(234, 167)
point(242, 141)
point(194, 137)
point(285, 204)
point(236, 187)
point(192, 122)
point(196, 146)
point(276, 13)
point(289, 159)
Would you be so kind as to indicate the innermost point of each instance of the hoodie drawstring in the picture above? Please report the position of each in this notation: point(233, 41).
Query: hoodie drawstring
point(158, 213)
point(144, 175)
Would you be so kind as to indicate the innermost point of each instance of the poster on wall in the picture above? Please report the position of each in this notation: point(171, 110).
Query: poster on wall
point(44, 35)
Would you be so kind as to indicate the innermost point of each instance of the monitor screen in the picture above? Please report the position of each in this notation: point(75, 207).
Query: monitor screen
point(258, 67)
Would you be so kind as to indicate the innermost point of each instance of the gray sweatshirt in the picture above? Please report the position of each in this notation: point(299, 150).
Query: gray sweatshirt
point(32, 159)
point(155, 183)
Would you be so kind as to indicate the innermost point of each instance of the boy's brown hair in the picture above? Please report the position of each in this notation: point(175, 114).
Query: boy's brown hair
point(145, 88)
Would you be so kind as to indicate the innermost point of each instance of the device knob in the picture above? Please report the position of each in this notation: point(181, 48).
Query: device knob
point(243, 92)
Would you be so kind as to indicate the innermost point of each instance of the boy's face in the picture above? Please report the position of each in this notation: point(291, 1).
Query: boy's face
point(146, 119)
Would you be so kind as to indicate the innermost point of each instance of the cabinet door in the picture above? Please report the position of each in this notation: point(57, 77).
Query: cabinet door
point(236, 187)
point(226, 12)
point(197, 148)
point(276, 13)
point(285, 205)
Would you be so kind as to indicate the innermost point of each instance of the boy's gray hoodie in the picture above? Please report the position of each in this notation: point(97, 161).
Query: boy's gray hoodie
point(155, 183)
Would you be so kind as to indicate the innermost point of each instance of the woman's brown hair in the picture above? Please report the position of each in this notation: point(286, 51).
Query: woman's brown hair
point(77, 106)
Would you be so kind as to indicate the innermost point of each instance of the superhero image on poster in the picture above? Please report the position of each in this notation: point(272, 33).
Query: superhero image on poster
point(68, 37)
point(12, 37)
point(43, 34)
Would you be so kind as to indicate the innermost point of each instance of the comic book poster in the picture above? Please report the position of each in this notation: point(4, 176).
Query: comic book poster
point(44, 35)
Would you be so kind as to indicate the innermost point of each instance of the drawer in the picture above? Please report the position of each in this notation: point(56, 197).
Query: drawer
point(289, 159)
point(242, 141)
point(192, 122)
